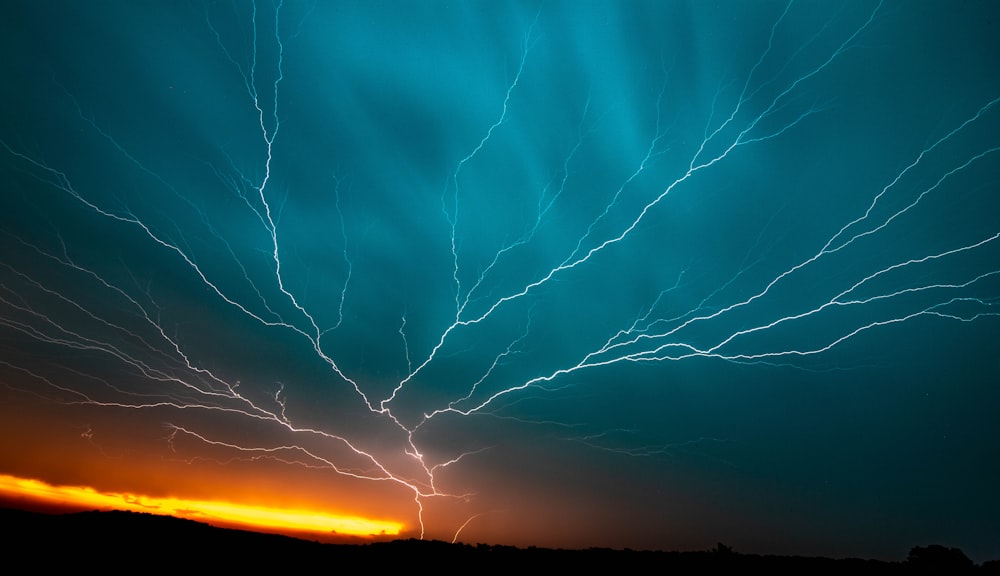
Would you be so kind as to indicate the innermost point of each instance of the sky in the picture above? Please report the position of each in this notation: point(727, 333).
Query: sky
point(628, 274)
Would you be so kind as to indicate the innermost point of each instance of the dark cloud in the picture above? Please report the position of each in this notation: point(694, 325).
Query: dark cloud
point(664, 273)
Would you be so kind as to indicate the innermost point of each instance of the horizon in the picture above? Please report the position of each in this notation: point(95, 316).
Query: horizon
point(648, 275)
point(13, 504)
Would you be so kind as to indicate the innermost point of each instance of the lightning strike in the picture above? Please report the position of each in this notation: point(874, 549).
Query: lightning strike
point(389, 394)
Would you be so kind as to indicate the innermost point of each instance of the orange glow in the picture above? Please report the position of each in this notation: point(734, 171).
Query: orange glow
point(259, 517)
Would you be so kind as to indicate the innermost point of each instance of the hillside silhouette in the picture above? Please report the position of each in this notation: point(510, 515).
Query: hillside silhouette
point(117, 538)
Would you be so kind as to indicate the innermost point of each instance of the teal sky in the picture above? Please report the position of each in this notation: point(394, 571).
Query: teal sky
point(631, 274)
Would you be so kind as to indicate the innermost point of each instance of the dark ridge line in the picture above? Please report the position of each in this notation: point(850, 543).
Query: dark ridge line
point(108, 538)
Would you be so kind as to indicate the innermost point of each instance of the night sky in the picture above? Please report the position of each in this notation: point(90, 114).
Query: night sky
point(604, 273)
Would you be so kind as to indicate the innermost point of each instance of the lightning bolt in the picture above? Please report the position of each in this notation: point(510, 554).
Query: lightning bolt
point(485, 350)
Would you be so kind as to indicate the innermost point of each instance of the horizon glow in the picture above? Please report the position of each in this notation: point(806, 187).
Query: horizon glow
point(212, 512)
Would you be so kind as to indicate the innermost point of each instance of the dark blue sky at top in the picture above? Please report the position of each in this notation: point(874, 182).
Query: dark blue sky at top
point(792, 350)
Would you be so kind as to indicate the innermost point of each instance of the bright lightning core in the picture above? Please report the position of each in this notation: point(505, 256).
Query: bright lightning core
point(453, 272)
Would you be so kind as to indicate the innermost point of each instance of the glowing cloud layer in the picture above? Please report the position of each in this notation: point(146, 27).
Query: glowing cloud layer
point(256, 517)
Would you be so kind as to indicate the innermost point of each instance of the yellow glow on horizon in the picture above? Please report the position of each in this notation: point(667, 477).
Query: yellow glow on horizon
point(263, 517)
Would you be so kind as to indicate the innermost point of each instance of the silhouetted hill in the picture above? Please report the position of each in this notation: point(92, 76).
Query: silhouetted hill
point(109, 539)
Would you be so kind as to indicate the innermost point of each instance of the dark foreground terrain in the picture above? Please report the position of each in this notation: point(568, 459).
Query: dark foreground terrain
point(145, 541)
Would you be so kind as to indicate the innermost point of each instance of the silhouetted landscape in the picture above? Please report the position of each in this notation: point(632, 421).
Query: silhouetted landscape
point(114, 538)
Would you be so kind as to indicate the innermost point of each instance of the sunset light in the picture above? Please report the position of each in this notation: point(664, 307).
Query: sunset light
point(213, 512)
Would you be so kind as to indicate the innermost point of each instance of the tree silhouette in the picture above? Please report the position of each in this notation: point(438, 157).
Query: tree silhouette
point(939, 559)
